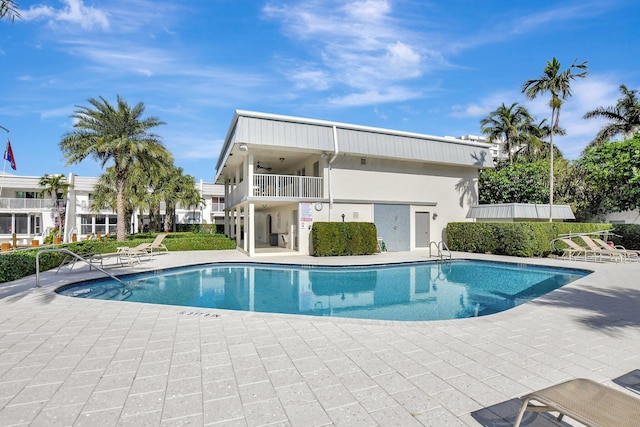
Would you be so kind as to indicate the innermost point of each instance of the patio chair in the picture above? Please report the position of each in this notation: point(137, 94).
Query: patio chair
point(575, 249)
point(630, 255)
point(586, 401)
point(157, 244)
point(611, 255)
point(133, 253)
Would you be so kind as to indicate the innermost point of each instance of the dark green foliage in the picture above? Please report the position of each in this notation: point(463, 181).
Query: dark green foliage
point(201, 228)
point(344, 238)
point(613, 170)
point(16, 265)
point(630, 236)
point(522, 239)
point(515, 183)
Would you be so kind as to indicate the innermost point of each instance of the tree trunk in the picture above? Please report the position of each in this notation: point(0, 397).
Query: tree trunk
point(120, 211)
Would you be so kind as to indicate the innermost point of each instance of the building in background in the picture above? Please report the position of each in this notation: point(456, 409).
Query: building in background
point(25, 212)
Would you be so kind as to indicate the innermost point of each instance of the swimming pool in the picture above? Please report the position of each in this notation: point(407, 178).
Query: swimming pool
point(412, 291)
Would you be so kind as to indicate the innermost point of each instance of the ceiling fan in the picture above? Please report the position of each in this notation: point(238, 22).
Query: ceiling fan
point(258, 166)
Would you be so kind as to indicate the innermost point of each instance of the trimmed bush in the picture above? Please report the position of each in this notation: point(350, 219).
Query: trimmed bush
point(523, 239)
point(15, 265)
point(630, 235)
point(344, 238)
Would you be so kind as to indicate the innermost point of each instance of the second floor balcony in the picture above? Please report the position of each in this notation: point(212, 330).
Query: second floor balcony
point(278, 187)
point(11, 204)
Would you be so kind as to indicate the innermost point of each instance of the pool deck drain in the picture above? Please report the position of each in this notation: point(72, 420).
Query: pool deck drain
point(68, 361)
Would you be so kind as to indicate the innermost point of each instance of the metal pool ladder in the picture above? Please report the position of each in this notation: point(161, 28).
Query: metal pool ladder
point(73, 254)
point(441, 248)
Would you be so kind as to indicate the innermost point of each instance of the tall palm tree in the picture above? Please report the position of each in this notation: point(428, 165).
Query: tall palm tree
point(624, 117)
point(507, 124)
point(119, 135)
point(558, 83)
point(175, 188)
point(57, 187)
point(9, 10)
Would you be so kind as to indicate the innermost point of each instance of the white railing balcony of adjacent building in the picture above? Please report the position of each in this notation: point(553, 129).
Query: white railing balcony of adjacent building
point(271, 186)
point(22, 204)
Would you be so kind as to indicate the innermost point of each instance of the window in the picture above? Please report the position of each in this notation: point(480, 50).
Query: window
point(22, 221)
point(26, 195)
point(101, 222)
point(86, 224)
point(316, 169)
point(5, 224)
point(35, 224)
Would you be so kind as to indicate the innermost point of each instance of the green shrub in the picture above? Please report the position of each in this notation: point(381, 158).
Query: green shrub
point(15, 265)
point(343, 238)
point(201, 228)
point(629, 235)
point(522, 239)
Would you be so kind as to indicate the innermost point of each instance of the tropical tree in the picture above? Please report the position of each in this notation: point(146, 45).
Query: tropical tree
point(104, 194)
point(115, 134)
point(613, 169)
point(175, 188)
point(558, 83)
point(507, 125)
point(624, 117)
point(57, 187)
point(535, 145)
point(514, 183)
point(9, 10)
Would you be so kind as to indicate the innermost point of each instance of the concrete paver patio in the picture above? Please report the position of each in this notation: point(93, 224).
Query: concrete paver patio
point(66, 361)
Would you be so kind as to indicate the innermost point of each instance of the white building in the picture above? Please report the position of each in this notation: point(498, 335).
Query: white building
point(30, 216)
point(282, 173)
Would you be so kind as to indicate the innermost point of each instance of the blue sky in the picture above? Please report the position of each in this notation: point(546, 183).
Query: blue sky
point(431, 67)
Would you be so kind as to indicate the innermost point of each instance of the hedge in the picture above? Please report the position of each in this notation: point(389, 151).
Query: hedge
point(21, 263)
point(523, 239)
point(344, 238)
point(629, 235)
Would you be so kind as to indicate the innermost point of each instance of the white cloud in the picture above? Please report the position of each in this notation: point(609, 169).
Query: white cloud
point(74, 12)
point(359, 46)
point(391, 94)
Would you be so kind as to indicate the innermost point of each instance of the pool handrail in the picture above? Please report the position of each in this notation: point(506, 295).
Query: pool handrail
point(73, 254)
point(441, 247)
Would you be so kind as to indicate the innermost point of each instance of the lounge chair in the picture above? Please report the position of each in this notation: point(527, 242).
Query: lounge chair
point(134, 253)
point(630, 255)
point(588, 402)
point(157, 244)
point(575, 249)
point(612, 255)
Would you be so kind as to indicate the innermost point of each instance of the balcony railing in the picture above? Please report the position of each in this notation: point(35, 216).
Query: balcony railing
point(15, 204)
point(271, 186)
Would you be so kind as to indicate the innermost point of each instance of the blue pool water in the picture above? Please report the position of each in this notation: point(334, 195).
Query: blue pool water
point(415, 291)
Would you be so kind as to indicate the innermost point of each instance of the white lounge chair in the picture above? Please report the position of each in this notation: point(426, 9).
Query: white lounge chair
point(575, 250)
point(588, 402)
point(631, 255)
point(611, 255)
point(157, 244)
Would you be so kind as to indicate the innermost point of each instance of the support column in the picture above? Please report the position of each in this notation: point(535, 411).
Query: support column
point(250, 226)
point(227, 227)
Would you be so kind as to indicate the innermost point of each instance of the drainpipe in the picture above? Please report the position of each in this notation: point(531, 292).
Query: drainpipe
point(335, 154)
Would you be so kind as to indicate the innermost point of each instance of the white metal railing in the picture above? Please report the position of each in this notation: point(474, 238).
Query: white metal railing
point(287, 186)
point(274, 186)
point(10, 203)
point(441, 248)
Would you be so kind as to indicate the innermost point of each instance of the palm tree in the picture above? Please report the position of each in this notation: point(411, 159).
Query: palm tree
point(57, 187)
point(624, 117)
point(559, 84)
point(536, 146)
point(117, 135)
point(9, 10)
point(175, 188)
point(507, 124)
